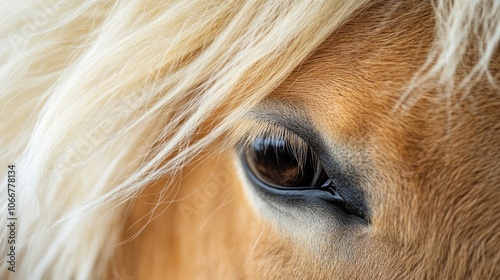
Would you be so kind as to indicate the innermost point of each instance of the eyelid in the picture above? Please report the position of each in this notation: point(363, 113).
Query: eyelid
point(263, 128)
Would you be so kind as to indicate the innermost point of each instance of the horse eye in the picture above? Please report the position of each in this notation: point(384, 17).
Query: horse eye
point(289, 164)
point(277, 162)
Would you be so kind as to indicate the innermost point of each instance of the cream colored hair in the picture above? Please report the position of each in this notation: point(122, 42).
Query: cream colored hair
point(99, 98)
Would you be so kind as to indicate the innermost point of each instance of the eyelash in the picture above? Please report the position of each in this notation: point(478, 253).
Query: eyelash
point(262, 129)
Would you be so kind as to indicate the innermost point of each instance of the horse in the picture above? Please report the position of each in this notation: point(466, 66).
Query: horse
point(250, 139)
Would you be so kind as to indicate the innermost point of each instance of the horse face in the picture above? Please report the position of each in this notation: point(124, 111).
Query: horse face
point(354, 185)
point(338, 176)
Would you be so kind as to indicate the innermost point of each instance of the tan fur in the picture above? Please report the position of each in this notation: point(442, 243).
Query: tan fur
point(430, 170)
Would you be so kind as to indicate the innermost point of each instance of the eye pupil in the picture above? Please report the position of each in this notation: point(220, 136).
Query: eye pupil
point(273, 160)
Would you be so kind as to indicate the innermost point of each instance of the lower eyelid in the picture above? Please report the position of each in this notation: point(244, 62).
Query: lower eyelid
point(303, 197)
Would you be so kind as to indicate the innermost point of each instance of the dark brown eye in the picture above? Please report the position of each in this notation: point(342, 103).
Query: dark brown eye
point(285, 168)
point(280, 162)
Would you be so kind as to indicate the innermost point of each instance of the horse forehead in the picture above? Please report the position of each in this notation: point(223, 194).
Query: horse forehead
point(359, 74)
point(362, 68)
